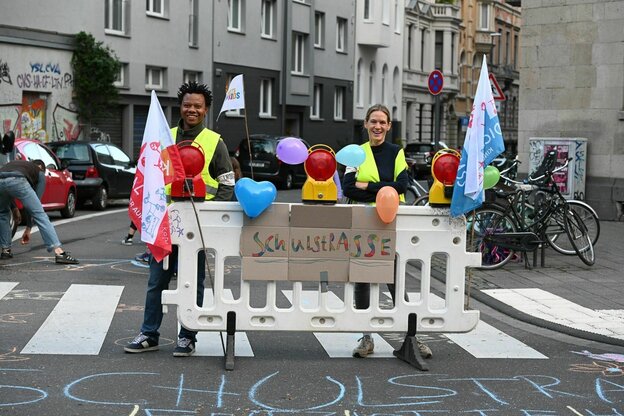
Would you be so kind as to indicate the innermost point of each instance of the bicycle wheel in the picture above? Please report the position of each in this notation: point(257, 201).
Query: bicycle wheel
point(484, 222)
point(556, 234)
point(410, 196)
point(422, 201)
point(579, 238)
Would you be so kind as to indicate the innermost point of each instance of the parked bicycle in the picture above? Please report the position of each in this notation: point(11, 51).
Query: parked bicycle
point(414, 190)
point(559, 242)
point(498, 231)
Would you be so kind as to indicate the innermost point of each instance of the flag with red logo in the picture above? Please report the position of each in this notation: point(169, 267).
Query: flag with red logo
point(159, 164)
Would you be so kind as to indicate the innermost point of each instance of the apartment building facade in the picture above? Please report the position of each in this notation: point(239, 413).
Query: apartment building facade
point(432, 35)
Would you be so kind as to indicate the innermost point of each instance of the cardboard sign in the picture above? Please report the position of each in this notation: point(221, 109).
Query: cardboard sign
point(333, 243)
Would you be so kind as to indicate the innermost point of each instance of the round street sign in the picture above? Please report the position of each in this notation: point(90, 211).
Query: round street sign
point(435, 82)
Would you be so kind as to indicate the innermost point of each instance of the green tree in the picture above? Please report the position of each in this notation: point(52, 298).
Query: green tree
point(95, 69)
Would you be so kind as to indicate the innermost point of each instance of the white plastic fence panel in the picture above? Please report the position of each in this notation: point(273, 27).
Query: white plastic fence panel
point(421, 233)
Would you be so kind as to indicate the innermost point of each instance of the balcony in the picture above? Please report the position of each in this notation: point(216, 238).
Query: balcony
point(374, 34)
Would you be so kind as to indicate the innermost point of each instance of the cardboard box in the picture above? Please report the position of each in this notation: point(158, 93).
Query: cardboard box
point(324, 243)
point(315, 269)
point(370, 271)
point(276, 215)
point(320, 216)
point(366, 217)
point(264, 241)
point(264, 268)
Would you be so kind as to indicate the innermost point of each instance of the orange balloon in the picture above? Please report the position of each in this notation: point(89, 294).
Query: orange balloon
point(387, 204)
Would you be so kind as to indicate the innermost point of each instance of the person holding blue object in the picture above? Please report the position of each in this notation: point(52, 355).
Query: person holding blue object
point(25, 180)
point(384, 165)
point(218, 176)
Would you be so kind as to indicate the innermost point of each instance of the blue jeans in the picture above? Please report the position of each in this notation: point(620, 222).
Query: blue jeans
point(158, 281)
point(18, 187)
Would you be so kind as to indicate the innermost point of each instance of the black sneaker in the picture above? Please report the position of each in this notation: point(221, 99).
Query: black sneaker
point(127, 241)
point(65, 258)
point(142, 343)
point(6, 254)
point(185, 348)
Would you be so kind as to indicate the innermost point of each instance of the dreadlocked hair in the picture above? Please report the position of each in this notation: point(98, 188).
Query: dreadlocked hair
point(195, 88)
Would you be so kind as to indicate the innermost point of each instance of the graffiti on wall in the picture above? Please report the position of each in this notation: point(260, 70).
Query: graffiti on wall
point(66, 125)
point(32, 118)
point(45, 75)
point(5, 73)
point(9, 116)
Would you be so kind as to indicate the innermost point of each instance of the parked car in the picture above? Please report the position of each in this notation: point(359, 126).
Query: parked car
point(419, 156)
point(60, 191)
point(266, 166)
point(101, 170)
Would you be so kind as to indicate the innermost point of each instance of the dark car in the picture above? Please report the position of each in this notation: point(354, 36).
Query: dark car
point(101, 170)
point(265, 164)
point(60, 190)
point(419, 156)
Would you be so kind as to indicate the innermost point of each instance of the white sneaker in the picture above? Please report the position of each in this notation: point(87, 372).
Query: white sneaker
point(365, 347)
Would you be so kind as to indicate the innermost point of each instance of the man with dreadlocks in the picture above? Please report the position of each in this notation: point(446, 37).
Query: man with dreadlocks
point(218, 175)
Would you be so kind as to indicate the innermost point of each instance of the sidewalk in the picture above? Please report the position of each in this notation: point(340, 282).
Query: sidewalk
point(565, 295)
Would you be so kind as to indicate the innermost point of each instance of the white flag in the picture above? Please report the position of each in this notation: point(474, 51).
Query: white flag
point(235, 95)
point(483, 142)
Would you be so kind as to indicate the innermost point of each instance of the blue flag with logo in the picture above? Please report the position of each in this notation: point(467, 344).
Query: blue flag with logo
point(483, 143)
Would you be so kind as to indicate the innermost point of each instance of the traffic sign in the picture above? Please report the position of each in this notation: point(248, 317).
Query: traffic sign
point(435, 82)
point(497, 92)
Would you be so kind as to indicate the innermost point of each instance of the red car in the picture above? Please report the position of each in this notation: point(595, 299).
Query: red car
point(60, 190)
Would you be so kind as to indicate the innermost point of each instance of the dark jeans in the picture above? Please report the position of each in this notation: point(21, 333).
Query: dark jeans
point(158, 281)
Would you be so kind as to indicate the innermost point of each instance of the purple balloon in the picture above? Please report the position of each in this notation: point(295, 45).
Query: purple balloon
point(292, 150)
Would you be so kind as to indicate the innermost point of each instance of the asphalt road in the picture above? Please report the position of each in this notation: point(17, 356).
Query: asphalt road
point(535, 371)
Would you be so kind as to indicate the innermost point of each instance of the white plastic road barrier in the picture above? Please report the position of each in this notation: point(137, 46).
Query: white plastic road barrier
point(423, 235)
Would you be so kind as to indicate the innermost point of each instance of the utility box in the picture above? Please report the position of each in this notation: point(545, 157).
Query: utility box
point(571, 180)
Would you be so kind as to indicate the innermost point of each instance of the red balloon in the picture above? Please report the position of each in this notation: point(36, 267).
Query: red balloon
point(387, 204)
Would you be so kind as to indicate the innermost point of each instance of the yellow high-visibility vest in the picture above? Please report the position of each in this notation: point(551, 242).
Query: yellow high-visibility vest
point(368, 172)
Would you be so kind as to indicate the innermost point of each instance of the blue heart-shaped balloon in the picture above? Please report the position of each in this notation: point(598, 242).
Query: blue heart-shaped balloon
point(254, 196)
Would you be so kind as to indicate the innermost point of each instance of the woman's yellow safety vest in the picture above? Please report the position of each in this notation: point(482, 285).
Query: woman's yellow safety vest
point(207, 140)
point(367, 171)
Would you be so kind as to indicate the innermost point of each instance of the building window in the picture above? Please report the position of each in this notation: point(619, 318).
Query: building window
point(368, 12)
point(192, 76)
point(266, 97)
point(298, 53)
point(319, 30)
point(423, 33)
point(507, 47)
point(453, 53)
point(439, 50)
point(358, 86)
point(315, 110)
point(371, 84)
point(155, 8)
point(385, 12)
point(339, 103)
point(409, 45)
point(384, 81)
point(154, 78)
point(484, 17)
point(515, 52)
point(397, 20)
point(115, 16)
point(341, 35)
point(268, 17)
point(193, 24)
point(122, 76)
point(235, 15)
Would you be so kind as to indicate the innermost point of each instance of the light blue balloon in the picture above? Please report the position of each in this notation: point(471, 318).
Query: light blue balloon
point(254, 196)
point(351, 155)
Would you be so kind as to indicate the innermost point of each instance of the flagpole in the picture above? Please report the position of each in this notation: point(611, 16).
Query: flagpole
point(247, 134)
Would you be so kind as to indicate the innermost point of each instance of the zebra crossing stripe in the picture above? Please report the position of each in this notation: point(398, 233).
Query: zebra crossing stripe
point(339, 344)
point(484, 341)
point(6, 287)
point(209, 343)
point(78, 323)
point(550, 307)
